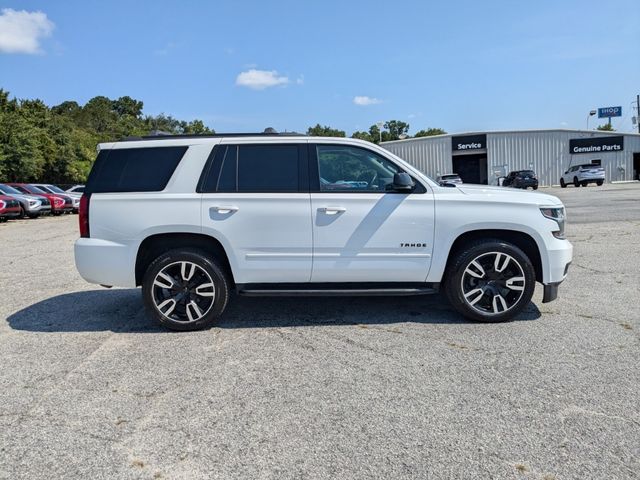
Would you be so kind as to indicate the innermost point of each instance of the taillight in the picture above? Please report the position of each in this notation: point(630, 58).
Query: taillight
point(83, 216)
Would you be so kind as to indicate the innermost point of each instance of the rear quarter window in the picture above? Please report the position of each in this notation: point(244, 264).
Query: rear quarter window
point(145, 169)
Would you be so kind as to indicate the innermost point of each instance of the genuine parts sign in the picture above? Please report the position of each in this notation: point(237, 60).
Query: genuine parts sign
point(596, 144)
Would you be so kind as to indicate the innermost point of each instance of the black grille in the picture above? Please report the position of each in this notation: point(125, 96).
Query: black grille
point(12, 203)
point(67, 201)
point(45, 201)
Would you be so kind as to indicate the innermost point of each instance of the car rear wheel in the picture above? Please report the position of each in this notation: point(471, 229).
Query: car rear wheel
point(490, 281)
point(535, 187)
point(584, 184)
point(599, 183)
point(562, 184)
point(576, 183)
point(185, 289)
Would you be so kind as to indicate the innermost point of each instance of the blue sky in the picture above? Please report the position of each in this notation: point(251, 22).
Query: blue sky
point(245, 65)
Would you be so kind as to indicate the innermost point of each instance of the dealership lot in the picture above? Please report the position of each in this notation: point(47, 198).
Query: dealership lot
point(324, 388)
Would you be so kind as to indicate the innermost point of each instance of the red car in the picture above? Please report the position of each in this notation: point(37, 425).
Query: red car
point(9, 208)
point(59, 203)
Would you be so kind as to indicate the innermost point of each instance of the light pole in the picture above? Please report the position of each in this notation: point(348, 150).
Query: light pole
point(380, 125)
point(591, 114)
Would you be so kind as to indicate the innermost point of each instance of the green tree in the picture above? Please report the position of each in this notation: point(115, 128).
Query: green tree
point(58, 144)
point(430, 132)
point(606, 128)
point(127, 106)
point(394, 128)
point(362, 136)
point(325, 131)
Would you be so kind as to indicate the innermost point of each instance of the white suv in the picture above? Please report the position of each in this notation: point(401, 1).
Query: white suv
point(192, 218)
point(583, 175)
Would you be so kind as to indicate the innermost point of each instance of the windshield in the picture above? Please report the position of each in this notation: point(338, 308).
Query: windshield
point(55, 189)
point(8, 189)
point(32, 189)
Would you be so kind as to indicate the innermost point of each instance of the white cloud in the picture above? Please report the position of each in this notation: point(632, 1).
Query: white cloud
point(363, 100)
point(21, 31)
point(260, 79)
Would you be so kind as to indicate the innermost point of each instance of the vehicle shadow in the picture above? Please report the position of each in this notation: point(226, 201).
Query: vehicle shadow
point(121, 310)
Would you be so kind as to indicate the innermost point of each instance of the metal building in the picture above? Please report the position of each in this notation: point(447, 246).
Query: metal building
point(484, 157)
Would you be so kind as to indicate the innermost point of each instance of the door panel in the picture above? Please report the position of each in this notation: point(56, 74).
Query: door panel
point(361, 237)
point(269, 235)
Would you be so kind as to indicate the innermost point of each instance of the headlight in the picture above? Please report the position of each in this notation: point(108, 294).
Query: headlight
point(557, 215)
point(33, 203)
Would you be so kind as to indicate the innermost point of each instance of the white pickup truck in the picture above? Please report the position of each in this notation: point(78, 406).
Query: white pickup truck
point(189, 218)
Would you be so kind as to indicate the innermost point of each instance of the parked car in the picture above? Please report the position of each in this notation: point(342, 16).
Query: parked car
point(583, 175)
point(31, 206)
point(76, 189)
point(9, 208)
point(59, 203)
point(521, 179)
point(55, 190)
point(190, 220)
point(450, 178)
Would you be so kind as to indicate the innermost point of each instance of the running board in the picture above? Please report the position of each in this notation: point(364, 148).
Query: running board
point(309, 291)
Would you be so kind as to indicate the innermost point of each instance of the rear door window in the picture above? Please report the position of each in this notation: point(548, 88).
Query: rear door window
point(145, 169)
point(265, 168)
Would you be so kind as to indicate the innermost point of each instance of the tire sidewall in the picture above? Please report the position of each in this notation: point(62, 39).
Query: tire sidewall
point(204, 261)
point(454, 288)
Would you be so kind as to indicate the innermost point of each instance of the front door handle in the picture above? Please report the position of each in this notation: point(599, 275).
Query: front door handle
point(333, 210)
point(224, 209)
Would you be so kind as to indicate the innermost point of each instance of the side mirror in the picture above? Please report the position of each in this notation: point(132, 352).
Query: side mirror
point(402, 182)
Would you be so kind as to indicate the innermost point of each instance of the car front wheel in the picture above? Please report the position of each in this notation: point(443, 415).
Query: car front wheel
point(185, 289)
point(490, 281)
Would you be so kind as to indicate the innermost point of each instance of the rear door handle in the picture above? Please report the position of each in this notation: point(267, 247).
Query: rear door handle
point(333, 210)
point(224, 209)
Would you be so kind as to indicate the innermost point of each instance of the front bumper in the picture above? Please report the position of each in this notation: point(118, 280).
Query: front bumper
point(558, 261)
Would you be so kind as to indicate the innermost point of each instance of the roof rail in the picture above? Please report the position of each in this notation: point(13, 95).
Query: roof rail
point(159, 135)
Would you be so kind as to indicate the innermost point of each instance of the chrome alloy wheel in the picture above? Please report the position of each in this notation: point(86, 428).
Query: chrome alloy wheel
point(183, 292)
point(493, 283)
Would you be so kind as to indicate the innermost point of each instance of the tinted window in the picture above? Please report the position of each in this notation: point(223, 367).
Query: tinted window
point(228, 168)
point(255, 168)
point(134, 169)
point(268, 168)
point(352, 169)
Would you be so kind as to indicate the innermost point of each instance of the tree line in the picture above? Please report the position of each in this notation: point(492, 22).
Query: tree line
point(58, 144)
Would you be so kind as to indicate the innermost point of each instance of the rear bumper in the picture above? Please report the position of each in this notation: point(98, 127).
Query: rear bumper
point(105, 263)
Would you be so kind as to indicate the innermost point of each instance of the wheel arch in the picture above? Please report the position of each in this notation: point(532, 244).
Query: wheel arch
point(522, 240)
point(153, 245)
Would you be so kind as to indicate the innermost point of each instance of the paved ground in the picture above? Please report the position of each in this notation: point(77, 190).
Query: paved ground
point(324, 388)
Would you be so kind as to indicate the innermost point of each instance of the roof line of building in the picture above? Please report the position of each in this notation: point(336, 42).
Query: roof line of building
point(482, 132)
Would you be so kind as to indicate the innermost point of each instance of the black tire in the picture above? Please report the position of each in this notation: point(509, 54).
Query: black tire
point(207, 269)
point(584, 184)
point(535, 187)
point(33, 215)
point(562, 184)
point(458, 279)
point(22, 212)
point(599, 183)
point(576, 183)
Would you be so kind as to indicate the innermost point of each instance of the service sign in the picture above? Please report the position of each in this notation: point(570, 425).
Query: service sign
point(468, 142)
point(596, 145)
point(608, 112)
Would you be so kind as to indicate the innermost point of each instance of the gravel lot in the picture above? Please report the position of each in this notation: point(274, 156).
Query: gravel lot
point(324, 388)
